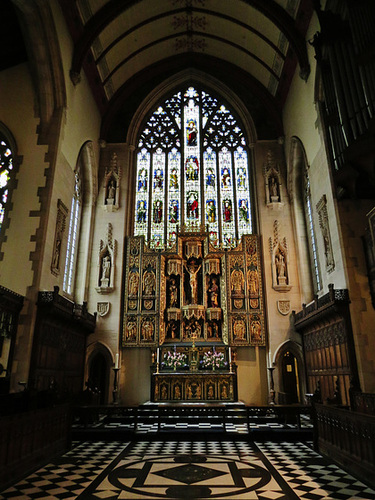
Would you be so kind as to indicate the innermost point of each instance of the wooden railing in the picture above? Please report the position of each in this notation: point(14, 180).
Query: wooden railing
point(31, 438)
point(363, 402)
point(348, 438)
point(131, 418)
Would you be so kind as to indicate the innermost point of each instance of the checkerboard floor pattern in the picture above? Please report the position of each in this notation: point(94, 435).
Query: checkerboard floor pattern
point(67, 476)
point(239, 469)
point(310, 475)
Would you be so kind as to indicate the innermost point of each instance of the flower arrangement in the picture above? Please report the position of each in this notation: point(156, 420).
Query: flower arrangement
point(213, 360)
point(174, 360)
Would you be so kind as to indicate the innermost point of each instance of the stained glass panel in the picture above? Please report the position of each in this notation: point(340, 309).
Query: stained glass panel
point(6, 166)
point(192, 160)
point(211, 195)
point(157, 221)
point(227, 199)
point(142, 195)
point(243, 192)
point(174, 196)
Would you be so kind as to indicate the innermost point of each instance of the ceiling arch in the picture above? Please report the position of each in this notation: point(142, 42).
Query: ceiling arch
point(117, 41)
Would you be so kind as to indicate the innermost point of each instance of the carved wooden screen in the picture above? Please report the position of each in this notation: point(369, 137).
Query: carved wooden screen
point(193, 292)
point(328, 345)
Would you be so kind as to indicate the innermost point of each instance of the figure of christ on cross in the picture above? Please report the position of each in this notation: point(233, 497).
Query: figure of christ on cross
point(193, 269)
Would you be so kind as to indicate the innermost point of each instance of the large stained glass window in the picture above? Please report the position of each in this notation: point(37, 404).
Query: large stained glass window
point(192, 172)
point(6, 167)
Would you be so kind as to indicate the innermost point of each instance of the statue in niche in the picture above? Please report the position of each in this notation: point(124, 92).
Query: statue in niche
point(164, 393)
point(253, 283)
point(147, 330)
point(173, 293)
point(239, 330)
point(224, 392)
point(149, 283)
point(213, 292)
point(106, 271)
point(256, 330)
point(193, 269)
point(172, 330)
point(177, 392)
point(274, 191)
point(237, 282)
point(212, 330)
point(193, 329)
point(210, 392)
point(131, 333)
point(133, 283)
point(111, 192)
point(280, 268)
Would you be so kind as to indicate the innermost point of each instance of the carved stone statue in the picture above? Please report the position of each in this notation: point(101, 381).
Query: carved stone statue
point(280, 267)
point(111, 193)
point(274, 194)
point(106, 270)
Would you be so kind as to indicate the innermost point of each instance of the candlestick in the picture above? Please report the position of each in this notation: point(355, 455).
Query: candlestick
point(230, 355)
point(157, 355)
point(115, 386)
point(117, 361)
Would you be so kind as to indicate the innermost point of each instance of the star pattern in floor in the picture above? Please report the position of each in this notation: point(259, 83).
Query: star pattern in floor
point(192, 470)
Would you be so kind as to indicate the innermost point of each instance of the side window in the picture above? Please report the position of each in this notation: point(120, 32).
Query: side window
point(6, 174)
point(311, 234)
point(73, 235)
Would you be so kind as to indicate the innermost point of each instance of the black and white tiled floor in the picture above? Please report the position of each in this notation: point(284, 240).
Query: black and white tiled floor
point(190, 470)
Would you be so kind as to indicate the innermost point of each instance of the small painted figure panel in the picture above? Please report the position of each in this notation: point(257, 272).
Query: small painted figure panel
point(141, 211)
point(158, 211)
point(191, 133)
point(227, 211)
point(243, 210)
point(211, 211)
point(173, 211)
point(192, 205)
point(192, 168)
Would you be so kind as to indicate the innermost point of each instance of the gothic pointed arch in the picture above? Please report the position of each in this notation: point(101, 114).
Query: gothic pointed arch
point(192, 156)
point(299, 191)
point(43, 49)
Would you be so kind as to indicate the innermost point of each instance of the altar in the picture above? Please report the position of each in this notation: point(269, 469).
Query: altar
point(202, 386)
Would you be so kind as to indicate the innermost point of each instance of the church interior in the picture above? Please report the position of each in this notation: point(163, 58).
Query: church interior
point(187, 231)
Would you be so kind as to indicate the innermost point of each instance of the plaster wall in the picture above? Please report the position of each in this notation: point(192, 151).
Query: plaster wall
point(109, 326)
point(81, 123)
point(278, 325)
point(301, 119)
point(18, 115)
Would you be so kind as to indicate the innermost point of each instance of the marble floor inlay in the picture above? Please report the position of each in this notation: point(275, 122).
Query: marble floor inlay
point(190, 470)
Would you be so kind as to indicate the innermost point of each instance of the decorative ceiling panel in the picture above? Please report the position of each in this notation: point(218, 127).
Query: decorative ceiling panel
point(118, 40)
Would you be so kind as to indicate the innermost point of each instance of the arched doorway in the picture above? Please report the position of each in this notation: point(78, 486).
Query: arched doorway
point(98, 376)
point(289, 378)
